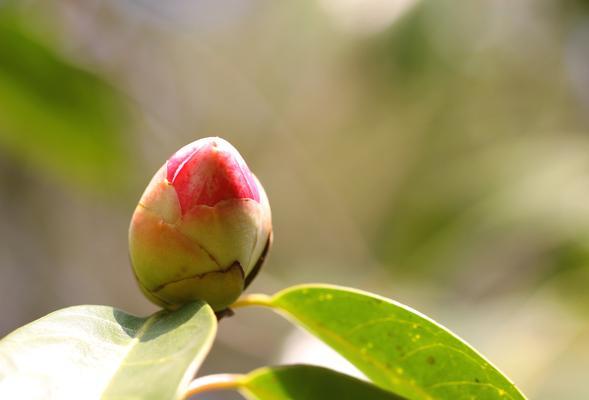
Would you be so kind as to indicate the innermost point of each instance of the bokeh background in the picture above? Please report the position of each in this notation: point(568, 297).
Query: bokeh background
point(435, 152)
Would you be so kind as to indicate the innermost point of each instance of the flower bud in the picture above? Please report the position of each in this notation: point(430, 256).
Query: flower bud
point(201, 229)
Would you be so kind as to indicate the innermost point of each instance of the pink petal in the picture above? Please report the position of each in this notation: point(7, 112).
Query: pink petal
point(208, 171)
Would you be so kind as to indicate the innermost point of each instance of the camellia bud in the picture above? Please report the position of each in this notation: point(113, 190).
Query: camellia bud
point(201, 229)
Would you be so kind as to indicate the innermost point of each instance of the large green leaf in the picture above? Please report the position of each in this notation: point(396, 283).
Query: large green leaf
point(54, 115)
point(396, 347)
point(307, 382)
point(99, 352)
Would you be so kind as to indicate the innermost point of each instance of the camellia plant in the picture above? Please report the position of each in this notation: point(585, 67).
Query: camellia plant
point(198, 237)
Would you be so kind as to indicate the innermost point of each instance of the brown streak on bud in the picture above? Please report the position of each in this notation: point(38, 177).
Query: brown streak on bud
point(235, 265)
point(261, 260)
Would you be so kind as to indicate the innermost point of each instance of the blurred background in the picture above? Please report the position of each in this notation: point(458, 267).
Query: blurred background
point(433, 152)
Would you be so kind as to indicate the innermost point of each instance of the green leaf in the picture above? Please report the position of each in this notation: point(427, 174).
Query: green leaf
point(396, 347)
point(307, 382)
point(99, 352)
point(54, 115)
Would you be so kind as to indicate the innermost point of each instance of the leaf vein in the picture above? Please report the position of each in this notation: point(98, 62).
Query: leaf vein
point(501, 392)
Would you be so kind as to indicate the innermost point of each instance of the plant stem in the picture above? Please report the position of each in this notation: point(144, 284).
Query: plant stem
point(213, 382)
point(227, 381)
point(255, 299)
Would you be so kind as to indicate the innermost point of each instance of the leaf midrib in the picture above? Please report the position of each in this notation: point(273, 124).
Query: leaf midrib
point(129, 348)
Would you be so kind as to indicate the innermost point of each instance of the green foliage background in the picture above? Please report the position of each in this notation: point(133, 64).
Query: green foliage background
point(436, 154)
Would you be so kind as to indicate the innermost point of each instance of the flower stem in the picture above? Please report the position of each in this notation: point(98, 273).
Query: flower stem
point(249, 300)
point(213, 382)
point(227, 381)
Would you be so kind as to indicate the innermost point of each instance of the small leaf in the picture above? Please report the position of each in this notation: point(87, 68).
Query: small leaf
point(307, 382)
point(396, 347)
point(99, 352)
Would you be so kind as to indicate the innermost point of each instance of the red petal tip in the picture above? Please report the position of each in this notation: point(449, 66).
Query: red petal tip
point(208, 171)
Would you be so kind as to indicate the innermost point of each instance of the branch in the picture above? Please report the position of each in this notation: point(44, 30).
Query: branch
point(252, 300)
point(213, 382)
